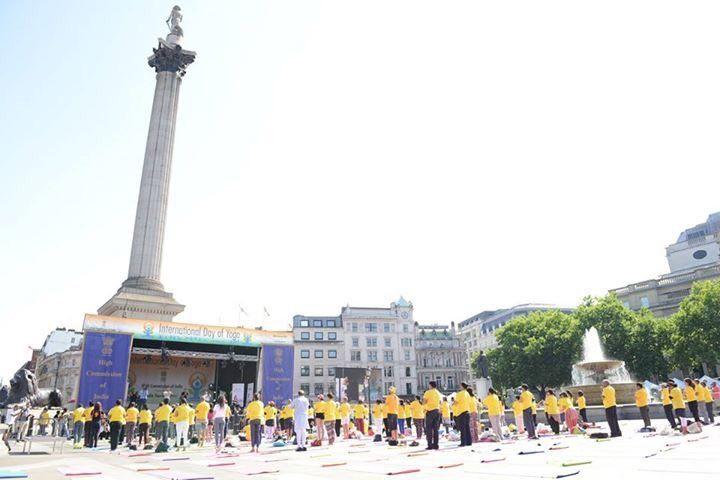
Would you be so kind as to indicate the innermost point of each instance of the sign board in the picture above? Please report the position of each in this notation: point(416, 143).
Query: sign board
point(104, 368)
point(277, 373)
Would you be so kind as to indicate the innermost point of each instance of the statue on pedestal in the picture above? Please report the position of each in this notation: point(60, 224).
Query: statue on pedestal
point(482, 365)
point(24, 389)
point(173, 23)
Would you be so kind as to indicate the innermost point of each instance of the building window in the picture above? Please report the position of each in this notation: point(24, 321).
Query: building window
point(331, 371)
point(318, 388)
point(319, 371)
point(305, 387)
point(372, 355)
point(317, 323)
point(388, 371)
point(304, 323)
point(304, 335)
point(332, 335)
point(305, 371)
point(388, 342)
point(408, 372)
point(355, 356)
point(354, 327)
point(406, 342)
point(371, 342)
point(355, 342)
point(318, 354)
point(332, 353)
point(371, 327)
point(318, 335)
point(388, 355)
point(408, 389)
point(406, 328)
point(331, 323)
point(699, 254)
point(304, 353)
point(644, 302)
point(450, 383)
point(387, 327)
point(407, 355)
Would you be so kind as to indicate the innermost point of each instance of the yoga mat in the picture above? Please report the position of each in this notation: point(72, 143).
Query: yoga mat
point(222, 464)
point(333, 464)
point(175, 459)
point(492, 459)
point(403, 472)
point(450, 465)
point(12, 474)
point(76, 472)
point(417, 454)
point(261, 472)
point(530, 452)
point(574, 463)
point(560, 447)
point(174, 475)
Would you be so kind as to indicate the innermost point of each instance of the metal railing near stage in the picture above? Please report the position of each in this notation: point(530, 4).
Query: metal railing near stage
point(199, 355)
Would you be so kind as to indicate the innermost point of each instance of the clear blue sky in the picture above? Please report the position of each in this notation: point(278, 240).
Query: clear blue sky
point(468, 155)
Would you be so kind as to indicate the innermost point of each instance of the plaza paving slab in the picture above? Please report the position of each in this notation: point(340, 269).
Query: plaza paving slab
point(635, 455)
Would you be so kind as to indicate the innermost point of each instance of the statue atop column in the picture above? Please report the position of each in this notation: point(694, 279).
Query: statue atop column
point(173, 23)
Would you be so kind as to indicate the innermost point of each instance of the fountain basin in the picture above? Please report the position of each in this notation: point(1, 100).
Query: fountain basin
point(624, 393)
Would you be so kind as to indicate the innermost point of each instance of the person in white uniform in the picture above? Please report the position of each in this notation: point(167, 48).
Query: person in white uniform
point(300, 419)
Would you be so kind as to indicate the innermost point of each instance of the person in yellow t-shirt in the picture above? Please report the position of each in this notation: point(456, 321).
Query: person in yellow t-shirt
point(431, 404)
point(552, 411)
point(641, 401)
point(582, 406)
point(707, 398)
point(330, 417)
point(286, 415)
point(359, 414)
point(610, 404)
point(131, 418)
point(345, 417)
point(162, 419)
point(691, 398)
point(446, 416)
point(181, 419)
point(667, 404)
point(377, 419)
point(78, 424)
point(418, 416)
point(270, 414)
point(495, 410)
point(462, 417)
point(44, 421)
point(201, 421)
point(527, 400)
point(678, 404)
point(517, 409)
point(87, 428)
point(115, 415)
point(401, 418)
point(319, 408)
point(254, 414)
point(144, 421)
point(392, 403)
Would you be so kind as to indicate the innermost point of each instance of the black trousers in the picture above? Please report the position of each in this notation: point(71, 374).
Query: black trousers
point(529, 423)
point(338, 427)
point(94, 433)
point(693, 406)
point(583, 415)
point(114, 434)
point(612, 419)
point(709, 410)
point(679, 413)
point(463, 422)
point(669, 415)
point(554, 424)
point(432, 428)
point(87, 434)
point(645, 414)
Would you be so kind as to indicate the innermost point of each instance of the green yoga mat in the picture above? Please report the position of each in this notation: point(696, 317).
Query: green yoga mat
point(12, 474)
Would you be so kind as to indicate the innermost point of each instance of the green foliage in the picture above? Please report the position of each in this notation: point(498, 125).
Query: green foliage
point(649, 346)
point(538, 349)
point(612, 321)
point(697, 326)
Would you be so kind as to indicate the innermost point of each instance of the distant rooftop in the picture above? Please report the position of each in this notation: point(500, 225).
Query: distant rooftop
point(488, 318)
point(711, 226)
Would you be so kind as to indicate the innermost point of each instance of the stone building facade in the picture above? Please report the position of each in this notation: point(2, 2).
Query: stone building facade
point(61, 370)
point(318, 351)
point(441, 357)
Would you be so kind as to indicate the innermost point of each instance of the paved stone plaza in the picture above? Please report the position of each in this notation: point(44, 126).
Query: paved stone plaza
point(635, 456)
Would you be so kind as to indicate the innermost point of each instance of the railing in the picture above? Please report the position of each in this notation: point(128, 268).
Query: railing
point(699, 274)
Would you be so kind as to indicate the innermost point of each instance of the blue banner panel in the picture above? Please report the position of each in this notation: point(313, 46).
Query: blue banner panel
point(104, 370)
point(277, 378)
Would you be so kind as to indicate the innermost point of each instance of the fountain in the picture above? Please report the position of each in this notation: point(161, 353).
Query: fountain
point(588, 374)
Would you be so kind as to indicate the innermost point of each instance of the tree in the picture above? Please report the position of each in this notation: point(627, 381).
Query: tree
point(649, 346)
point(538, 349)
point(697, 326)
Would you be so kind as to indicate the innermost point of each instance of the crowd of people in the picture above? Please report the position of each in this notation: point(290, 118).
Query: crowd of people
point(303, 422)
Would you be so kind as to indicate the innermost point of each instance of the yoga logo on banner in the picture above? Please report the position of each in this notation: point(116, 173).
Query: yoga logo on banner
point(277, 378)
point(104, 370)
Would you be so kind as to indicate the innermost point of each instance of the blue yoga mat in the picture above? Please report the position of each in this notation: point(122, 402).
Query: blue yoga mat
point(12, 474)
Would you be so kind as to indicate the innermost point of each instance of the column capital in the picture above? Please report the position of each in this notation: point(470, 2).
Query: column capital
point(170, 58)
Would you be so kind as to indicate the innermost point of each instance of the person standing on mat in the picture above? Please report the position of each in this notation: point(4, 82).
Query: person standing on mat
point(462, 398)
point(330, 409)
point(526, 400)
point(707, 398)
point(678, 403)
point(116, 415)
point(254, 415)
point(319, 407)
point(667, 404)
point(218, 413)
point(392, 404)
point(95, 423)
point(418, 416)
point(431, 403)
point(552, 411)
point(446, 418)
point(691, 397)
point(300, 407)
point(162, 420)
point(201, 420)
point(582, 406)
point(641, 400)
point(131, 418)
point(87, 425)
point(377, 417)
point(144, 421)
point(608, 398)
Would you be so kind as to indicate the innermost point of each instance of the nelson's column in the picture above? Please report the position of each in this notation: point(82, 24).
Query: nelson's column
point(142, 295)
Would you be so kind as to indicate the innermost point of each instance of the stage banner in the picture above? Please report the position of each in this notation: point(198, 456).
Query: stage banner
point(277, 377)
point(104, 368)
